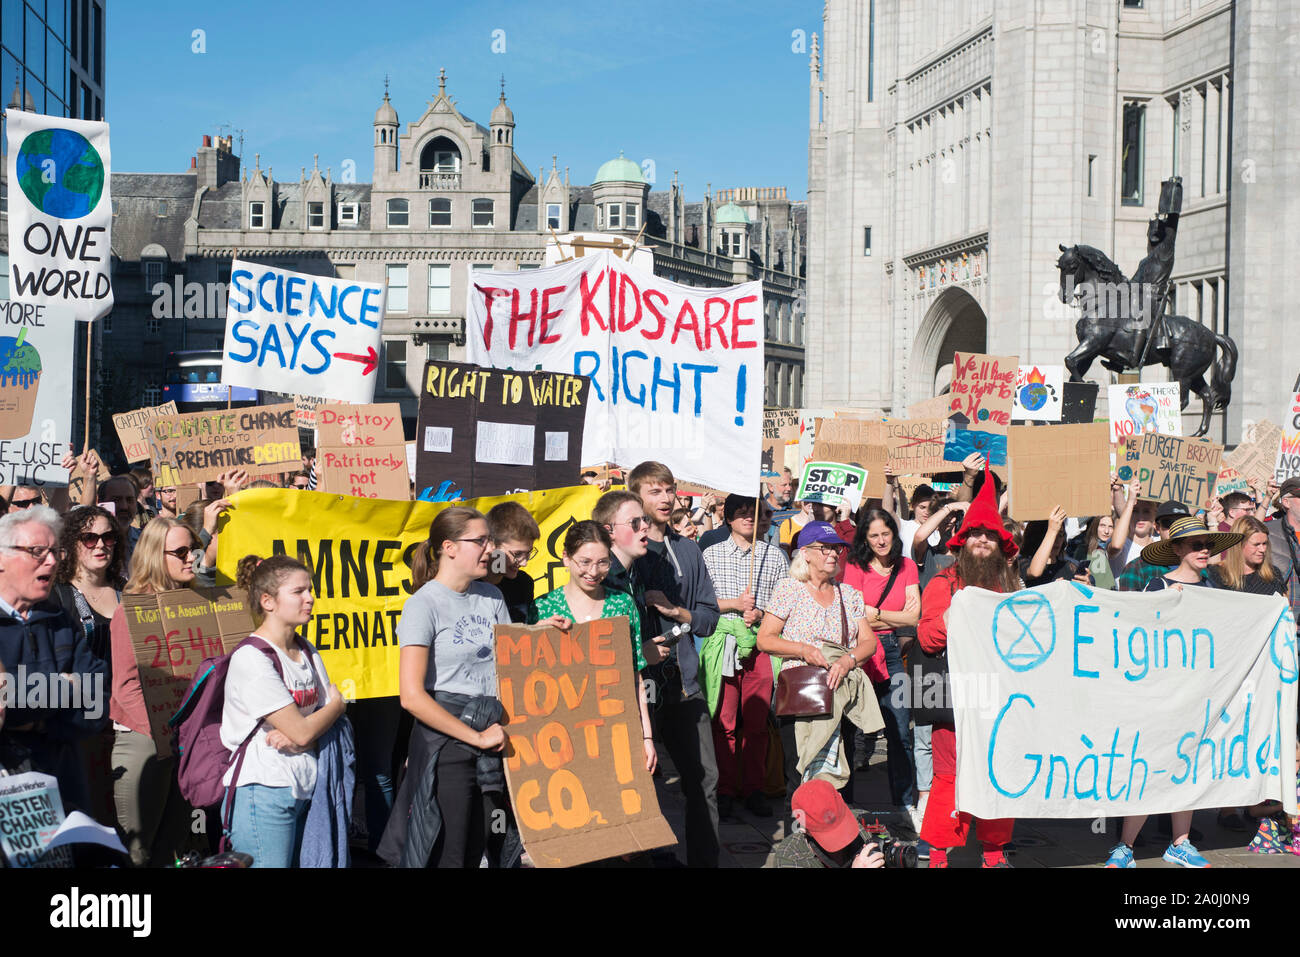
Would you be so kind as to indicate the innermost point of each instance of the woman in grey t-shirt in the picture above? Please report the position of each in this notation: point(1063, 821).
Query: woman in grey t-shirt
point(448, 658)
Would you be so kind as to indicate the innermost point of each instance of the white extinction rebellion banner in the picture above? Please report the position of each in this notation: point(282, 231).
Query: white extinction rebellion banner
point(1077, 702)
point(60, 213)
point(676, 371)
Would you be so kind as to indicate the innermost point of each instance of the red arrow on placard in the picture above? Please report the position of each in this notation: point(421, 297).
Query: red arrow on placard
point(370, 361)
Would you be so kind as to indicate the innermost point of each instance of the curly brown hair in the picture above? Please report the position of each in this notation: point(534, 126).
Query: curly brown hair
point(77, 521)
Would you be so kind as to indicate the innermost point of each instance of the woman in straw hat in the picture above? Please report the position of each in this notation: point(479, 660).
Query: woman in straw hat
point(1189, 546)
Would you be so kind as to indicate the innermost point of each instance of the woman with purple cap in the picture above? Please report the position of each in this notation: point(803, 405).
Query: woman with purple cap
point(807, 610)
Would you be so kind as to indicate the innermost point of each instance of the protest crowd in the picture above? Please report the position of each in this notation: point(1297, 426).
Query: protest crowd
point(738, 607)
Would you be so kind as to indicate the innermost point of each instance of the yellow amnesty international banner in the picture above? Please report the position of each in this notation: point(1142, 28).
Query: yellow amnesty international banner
point(360, 552)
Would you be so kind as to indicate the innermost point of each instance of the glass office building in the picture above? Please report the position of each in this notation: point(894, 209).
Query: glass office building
point(53, 51)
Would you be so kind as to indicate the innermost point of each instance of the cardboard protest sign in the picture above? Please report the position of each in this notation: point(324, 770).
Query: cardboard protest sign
point(1145, 407)
point(1064, 465)
point(910, 483)
point(858, 442)
point(198, 446)
point(1256, 456)
point(1038, 394)
point(574, 761)
point(1079, 402)
point(960, 441)
point(1080, 702)
point(60, 216)
point(983, 389)
point(832, 483)
point(1288, 451)
point(171, 633)
point(31, 811)
point(780, 440)
point(304, 407)
point(133, 432)
point(489, 431)
point(916, 445)
point(940, 407)
point(1229, 481)
point(1172, 468)
point(310, 335)
point(808, 419)
point(360, 552)
point(676, 371)
point(36, 375)
point(361, 451)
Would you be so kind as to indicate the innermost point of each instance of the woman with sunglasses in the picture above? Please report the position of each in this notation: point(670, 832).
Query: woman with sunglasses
point(151, 814)
point(586, 556)
point(90, 576)
point(806, 611)
point(447, 670)
point(1189, 546)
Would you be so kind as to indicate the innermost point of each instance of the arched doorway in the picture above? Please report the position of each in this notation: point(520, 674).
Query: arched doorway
point(955, 322)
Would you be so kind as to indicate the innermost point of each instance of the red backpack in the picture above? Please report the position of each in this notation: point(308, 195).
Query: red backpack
point(202, 759)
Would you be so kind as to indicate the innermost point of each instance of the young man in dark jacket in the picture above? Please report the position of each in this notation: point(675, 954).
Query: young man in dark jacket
point(52, 688)
point(682, 714)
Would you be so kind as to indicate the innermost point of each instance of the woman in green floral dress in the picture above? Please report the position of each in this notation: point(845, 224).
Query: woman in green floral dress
point(585, 598)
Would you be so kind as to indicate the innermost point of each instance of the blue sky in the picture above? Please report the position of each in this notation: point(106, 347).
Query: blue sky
point(712, 89)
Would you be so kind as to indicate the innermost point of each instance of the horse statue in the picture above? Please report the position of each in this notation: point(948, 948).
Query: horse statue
point(1116, 328)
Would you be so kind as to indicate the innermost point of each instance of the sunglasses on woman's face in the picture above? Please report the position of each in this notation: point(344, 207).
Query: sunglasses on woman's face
point(92, 539)
point(1199, 545)
point(181, 554)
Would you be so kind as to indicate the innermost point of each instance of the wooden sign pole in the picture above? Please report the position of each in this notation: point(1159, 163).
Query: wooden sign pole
point(90, 331)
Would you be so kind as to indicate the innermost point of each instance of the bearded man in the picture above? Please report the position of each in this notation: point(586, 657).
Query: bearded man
point(982, 546)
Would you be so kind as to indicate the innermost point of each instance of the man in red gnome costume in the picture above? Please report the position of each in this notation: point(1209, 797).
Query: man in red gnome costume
point(983, 547)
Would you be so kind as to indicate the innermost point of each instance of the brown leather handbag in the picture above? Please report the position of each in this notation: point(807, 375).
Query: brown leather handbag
point(803, 691)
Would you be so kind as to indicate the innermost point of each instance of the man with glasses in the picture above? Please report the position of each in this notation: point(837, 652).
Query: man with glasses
point(1138, 573)
point(121, 491)
point(167, 502)
point(514, 535)
point(41, 648)
point(24, 497)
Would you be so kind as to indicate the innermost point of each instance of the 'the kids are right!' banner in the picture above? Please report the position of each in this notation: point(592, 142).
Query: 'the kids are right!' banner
point(676, 371)
point(1088, 702)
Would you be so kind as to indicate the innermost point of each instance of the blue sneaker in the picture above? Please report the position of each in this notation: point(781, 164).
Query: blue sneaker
point(1185, 855)
point(1121, 855)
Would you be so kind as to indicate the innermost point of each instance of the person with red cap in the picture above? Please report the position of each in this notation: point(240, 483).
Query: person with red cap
point(826, 833)
point(982, 546)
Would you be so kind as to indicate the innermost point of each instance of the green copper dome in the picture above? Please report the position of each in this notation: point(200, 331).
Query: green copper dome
point(731, 213)
point(618, 170)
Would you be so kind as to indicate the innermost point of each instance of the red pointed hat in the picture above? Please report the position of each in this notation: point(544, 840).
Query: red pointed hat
point(983, 513)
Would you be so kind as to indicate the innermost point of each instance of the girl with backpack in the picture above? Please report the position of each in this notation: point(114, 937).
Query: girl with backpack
point(151, 814)
point(285, 711)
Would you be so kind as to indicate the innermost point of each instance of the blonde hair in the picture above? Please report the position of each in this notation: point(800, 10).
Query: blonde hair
point(148, 563)
point(1232, 567)
point(798, 566)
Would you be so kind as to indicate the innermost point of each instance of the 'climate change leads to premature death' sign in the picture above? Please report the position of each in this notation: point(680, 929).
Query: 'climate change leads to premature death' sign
point(199, 446)
point(292, 332)
point(676, 371)
point(1088, 702)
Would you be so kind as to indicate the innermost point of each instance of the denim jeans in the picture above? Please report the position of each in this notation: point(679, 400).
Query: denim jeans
point(893, 698)
point(268, 824)
point(922, 754)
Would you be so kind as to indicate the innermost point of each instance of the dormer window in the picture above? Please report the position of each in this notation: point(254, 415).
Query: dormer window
point(257, 215)
point(630, 215)
point(552, 215)
point(347, 214)
point(315, 215)
point(731, 242)
point(614, 216)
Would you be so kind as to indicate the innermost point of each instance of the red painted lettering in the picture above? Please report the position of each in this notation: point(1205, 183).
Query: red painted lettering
point(547, 315)
point(711, 324)
point(589, 311)
point(488, 295)
point(693, 325)
point(517, 317)
point(649, 297)
point(737, 322)
point(624, 324)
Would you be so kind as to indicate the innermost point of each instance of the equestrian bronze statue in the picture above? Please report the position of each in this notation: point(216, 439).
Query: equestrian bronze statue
point(1124, 321)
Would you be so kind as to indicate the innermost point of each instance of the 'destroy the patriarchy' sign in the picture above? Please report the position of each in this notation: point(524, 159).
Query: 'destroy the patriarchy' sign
point(1077, 702)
